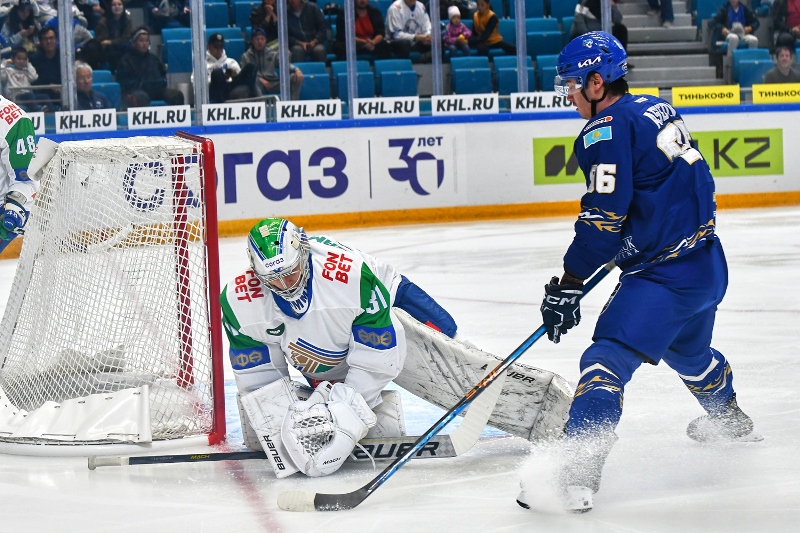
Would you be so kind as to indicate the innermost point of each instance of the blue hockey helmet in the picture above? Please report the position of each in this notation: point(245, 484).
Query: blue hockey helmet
point(596, 51)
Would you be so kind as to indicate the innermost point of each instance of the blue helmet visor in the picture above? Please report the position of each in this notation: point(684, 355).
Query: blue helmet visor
point(567, 86)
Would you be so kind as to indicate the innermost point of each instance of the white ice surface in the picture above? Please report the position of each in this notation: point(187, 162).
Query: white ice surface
point(490, 276)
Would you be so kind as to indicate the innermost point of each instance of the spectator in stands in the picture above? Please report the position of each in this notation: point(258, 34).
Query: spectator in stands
point(5, 8)
point(485, 35)
point(664, 7)
point(17, 76)
point(48, 65)
point(92, 11)
point(142, 76)
point(226, 79)
point(114, 32)
point(168, 14)
point(307, 31)
point(87, 48)
point(265, 17)
point(456, 34)
point(45, 10)
point(735, 22)
point(783, 71)
point(21, 27)
point(588, 18)
point(463, 8)
point(786, 22)
point(408, 29)
point(265, 61)
point(87, 97)
point(370, 32)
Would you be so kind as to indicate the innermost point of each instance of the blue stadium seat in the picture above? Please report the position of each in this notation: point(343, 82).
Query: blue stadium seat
point(533, 8)
point(383, 6)
point(404, 79)
point(748, 54)
point(228, 33)
point(562, 8)
point(546, 71)
point(505, 73)
point(241, 12)
point(544, 43)
point(102, 76)
point(508, 31)
point(176, 34)
point(234, 48)
point(706, 9)
point(217, 14)
point(566, 28)
point(316, 81)
point(470, 75)
point(398, 82)
point(111, 90)
point(178, 55)
point(541, 24)
point(752, 71)
point(366, 79)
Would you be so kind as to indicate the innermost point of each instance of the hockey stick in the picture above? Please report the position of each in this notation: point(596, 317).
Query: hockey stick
point(311, 501)
point(460, 440)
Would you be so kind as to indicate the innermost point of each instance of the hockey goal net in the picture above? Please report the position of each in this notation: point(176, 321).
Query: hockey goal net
point(111, 332)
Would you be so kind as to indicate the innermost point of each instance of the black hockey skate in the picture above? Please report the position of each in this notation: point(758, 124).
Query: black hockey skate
point(728, 423)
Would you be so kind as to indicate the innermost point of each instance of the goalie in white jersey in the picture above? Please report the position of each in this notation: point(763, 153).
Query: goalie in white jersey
point(17, 189)
point(324, 308)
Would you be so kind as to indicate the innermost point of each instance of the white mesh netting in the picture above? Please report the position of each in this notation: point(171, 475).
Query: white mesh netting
point(110, 291)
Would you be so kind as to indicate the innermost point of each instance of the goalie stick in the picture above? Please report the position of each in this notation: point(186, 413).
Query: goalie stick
point(303, 501)
point(452, 445)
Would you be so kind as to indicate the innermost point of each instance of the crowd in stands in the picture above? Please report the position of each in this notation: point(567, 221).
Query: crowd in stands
point(106, 40)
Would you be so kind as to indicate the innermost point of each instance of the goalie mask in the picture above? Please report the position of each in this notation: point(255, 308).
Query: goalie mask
point(278, 252)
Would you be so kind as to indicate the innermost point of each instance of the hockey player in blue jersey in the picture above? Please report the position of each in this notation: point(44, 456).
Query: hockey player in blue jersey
point(650, 207)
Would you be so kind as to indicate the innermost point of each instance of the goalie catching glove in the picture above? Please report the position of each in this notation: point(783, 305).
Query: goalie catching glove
point(561, 307)
point(319, 433)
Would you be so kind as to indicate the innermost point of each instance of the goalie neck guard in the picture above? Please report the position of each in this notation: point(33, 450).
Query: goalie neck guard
point(279, 250)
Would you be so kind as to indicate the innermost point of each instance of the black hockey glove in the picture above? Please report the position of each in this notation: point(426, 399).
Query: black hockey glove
point(561, 308)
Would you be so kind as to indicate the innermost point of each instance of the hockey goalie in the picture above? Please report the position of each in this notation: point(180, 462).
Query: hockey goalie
point(350, 324)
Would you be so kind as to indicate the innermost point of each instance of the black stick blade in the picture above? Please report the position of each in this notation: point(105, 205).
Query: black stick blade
point(303, 502)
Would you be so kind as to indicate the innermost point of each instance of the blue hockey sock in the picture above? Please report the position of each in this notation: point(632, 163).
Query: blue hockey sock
point(713, 387)
point(597, 406)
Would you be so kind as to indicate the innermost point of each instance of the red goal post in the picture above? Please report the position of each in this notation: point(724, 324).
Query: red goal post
point(111, 341)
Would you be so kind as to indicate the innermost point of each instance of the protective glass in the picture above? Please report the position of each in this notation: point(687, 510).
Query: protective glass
point(567, 86)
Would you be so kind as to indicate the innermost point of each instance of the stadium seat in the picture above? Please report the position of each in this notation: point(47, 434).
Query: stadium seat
point(112, 91)
point(400, 76)
point(748, 54)
point(228, 33)
point(176, 34)
point(366, 79)
point(217, 14)
point(752, 71)
point(316, 81)
point(544, 43)
point(533, 8)
point(566, 28)
point(383, 6)
point(470, 75)
point(102, 76)
point(234, 48)
point(706, 9)
point(562, 8)
point(505, 74)
point(546, 71)
point(178, 55)
point(241, 12)
point(508, 31)
point(541, 24)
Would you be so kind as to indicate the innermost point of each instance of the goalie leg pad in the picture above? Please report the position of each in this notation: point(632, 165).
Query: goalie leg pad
point(265, 409)
point(534, 403)
point(320, 436)
point(249, 435)
point(389, 417)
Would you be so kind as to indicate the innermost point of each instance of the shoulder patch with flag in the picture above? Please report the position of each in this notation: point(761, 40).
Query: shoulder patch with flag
point(595, 136)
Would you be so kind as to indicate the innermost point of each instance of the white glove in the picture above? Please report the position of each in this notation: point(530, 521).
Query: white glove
point(319, 437)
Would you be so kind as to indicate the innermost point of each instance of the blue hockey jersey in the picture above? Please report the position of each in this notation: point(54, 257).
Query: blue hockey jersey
point(650, 193)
